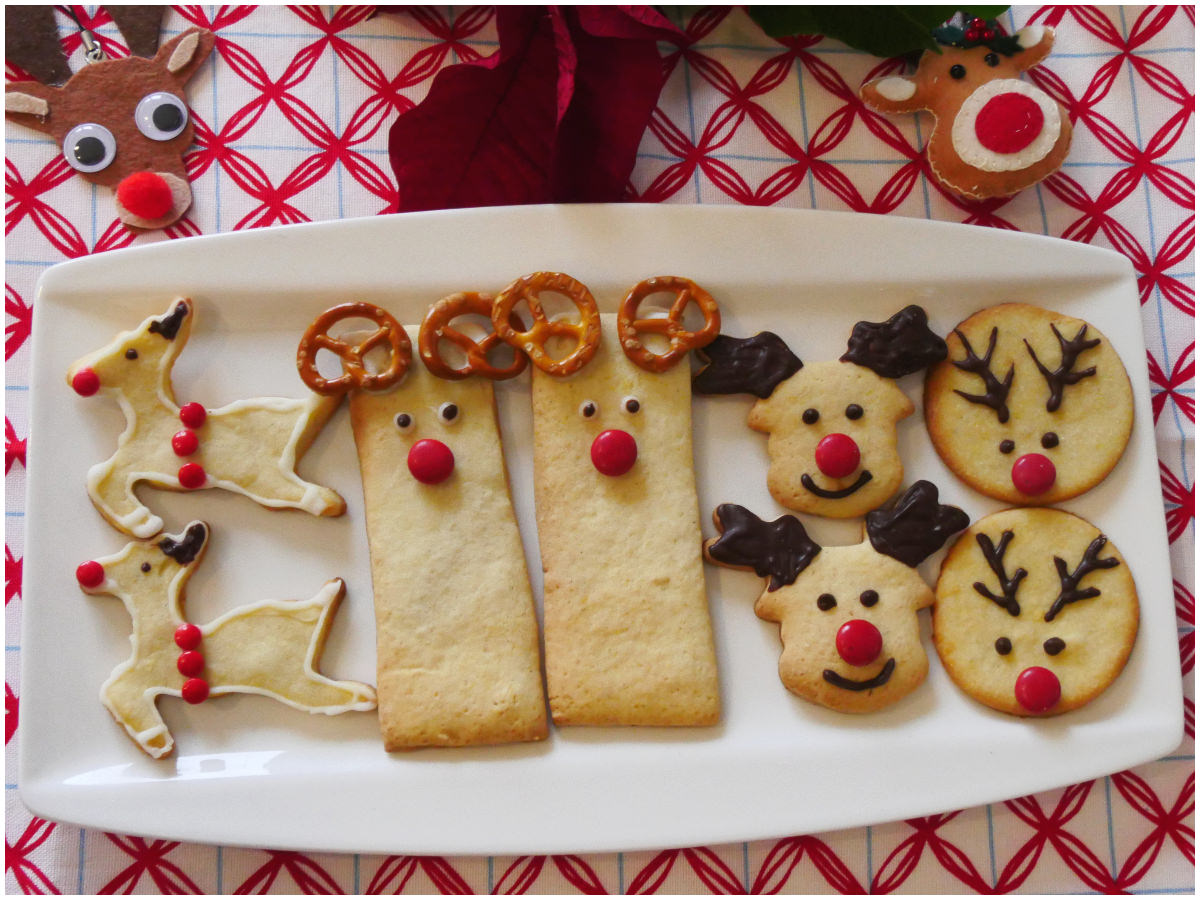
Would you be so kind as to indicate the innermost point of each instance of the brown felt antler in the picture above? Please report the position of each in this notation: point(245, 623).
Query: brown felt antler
point(995, 393)
point(994, 554)
point(1065, 374)
point(1070, 591)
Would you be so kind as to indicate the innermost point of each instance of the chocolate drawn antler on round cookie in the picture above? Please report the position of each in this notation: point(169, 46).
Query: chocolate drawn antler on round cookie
point(1066, 373)
point(995, 394)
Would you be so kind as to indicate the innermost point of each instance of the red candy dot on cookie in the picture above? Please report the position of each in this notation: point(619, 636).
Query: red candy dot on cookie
point(187, 636)
point(192, 415)
point(145, 194)
point(195, 690)
point(190, 662)
point(185, 442)
point(192, 475)
point(837, 455)
point(1033, 474)
point(85, 382)
point(90, 574)
point(1009, 122)
point(614, 452)
point(430, 461)
point(858, 642)
point(1037, 689)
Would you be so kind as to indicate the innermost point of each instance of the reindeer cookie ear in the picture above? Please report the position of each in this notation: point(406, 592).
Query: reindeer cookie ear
point(916, 527)
point(183, 55)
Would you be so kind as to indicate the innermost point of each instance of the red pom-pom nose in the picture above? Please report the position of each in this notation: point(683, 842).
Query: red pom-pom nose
point(90, 574)
point(614, 452)
point(837, 455)
point(858, 642)
point(430, 461)
point(85, 382)
point(1037, 689)
point(1033, 474)
point(146, 195)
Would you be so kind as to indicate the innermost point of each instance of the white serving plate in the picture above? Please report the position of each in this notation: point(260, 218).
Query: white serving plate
point(250, 771)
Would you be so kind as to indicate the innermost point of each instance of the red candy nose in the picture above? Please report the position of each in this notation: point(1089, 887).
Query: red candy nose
point(1033, 474)
point(1009, 122)
point(90, 574)
point(614, 452)
point(430, 461)
point(1037, 689)
point(837, 455)
point(146, 195)
point(85, 382)
point(858, 642)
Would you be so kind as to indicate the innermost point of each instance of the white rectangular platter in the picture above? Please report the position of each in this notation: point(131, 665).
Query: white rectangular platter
point(250, 771)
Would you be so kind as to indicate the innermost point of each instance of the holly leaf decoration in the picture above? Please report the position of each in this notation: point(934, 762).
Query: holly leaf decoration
point(879, 30)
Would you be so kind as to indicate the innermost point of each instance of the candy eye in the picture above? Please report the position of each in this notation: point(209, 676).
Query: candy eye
point(89, 147)
point(992, 60)
point(1007, 446)
point(868, 598)
point(810, 416)
point(1049, 440)
point(957, 72)
point(448, 412)
point(1003, 646)
point(826, 602)
point(404, 422)
point(160, 116)
point(854, 411)
point(1054, 646)
point(631, 404)
point(588, 409)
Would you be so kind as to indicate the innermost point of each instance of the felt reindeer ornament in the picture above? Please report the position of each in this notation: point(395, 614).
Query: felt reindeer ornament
point(993, 134)
point(122, 123)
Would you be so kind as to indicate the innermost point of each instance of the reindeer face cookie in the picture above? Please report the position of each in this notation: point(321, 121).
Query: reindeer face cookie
point(830, 426)
point(1031, 406)
point(1035, 612)
point(848, 615)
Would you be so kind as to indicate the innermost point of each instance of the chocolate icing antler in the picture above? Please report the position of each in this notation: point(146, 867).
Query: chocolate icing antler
point(778, 550)
point(994, 554)
point(900, 346)
point(916, 526)
point(1066, 373)
point(753, 365)
point(1070, 591)
point(995, 392)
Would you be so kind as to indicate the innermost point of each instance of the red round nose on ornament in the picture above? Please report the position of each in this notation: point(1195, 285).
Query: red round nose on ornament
point(837, 455)
point(430, 461)
point(614, 452)
point(858, 642)
point(1033, 474)
point(146, 195)
point(1009, 122)
point(1037, 689)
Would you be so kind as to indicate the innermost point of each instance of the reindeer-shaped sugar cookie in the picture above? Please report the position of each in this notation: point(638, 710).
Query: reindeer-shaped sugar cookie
point(120, 123)
point(627, 632)
point(250, 447)
point(270, 648)
point(847, 615)
point(1036, 612)
point(456, 626)
point(831, 426)
point(1031, 406)
point(993, 134)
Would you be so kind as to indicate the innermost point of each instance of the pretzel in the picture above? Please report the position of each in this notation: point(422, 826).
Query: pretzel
point(586, 331)
point(681, 340)
point(436, 327)
point(354, 370)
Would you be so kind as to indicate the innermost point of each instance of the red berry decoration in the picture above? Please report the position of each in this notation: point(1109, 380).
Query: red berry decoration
point(858, 642)
point(146, 195)
point(614, 452)
point(190, 663)
point(973, 35)
point(90, 574)
point(430, 461)
point(195, 690)
point(1033, 474)
point(85, 383)
point(185, 442)
point(988, 34)
point(192, 475)
point(192, 415)
point(187, 636)
point(1037, 689)
point(837, 455)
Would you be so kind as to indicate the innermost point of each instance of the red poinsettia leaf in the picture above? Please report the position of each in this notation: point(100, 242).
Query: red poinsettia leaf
point(643, 23)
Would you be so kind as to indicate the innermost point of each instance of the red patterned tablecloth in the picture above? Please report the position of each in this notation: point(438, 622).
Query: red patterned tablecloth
point(292, 116)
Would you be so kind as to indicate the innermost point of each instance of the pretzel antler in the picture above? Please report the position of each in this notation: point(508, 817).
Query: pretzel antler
point(1066, 373)
point(1070, 591)
point(532, 342)
point(436, 327)
point(355, 375)
point(682, 341)
point(994, 554)
point(995, 393)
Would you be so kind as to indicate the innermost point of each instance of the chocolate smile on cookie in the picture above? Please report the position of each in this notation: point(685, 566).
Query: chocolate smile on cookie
point(867, 684)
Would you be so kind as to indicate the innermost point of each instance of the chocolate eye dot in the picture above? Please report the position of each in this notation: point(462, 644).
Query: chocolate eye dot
point(403, 421)
point(868, 598)
point(587, 409)
point(1007, 446)
point(957, 72)
point(810, 416)
point(992, 60)
point(854, 411)
point(448, 412)
point(1049, 440)
point(826, 602)
point(1054, 646)
point(1003, 646)
point(131, 353)
point(145, 567)
point(631, 404)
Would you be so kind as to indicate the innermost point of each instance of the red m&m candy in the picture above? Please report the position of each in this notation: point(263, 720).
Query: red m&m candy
point(195, 690)
point(85, 382)
point(430, 461)
point(192, 475)
point(185, 442)
point(1037, 689)
point(858, 642)
point(837, 455)
point(187, 636)
point(1033, 474)
point(90, 574)
point(190, 663)
point(614, 452)
point(192, 415)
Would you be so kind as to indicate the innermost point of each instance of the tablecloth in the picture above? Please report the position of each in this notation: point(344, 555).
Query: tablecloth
point(292, 114)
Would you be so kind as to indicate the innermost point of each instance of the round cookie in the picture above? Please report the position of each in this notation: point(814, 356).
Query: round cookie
point(1035, 613)
point(1031, 406)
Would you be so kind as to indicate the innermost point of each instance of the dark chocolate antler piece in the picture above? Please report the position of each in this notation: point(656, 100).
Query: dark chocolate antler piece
point(753, 365)
point(994, 554)
point(900, 346)
point(995, 392)
point(916, 526)
point(1066, 373)
point(778, 550)
point(1070, 591)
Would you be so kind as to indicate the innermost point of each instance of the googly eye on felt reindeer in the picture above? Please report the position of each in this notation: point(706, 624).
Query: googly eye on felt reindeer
point(120, 122)
point(1031, 406)
point(847, 615)
point(994, 134)
point(830, 425)
point(1036, 612)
